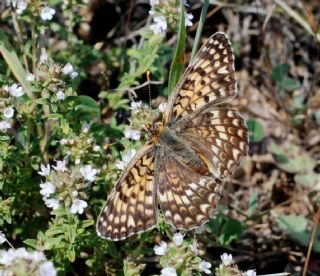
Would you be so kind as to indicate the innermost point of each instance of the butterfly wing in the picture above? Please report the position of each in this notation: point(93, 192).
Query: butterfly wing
point(187, 199)
point(131, 207)
point(219, 136)
point(208, 80)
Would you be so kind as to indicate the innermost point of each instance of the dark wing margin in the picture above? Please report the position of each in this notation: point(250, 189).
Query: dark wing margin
point(208, 80)
point(187, 199)
point(131, 207)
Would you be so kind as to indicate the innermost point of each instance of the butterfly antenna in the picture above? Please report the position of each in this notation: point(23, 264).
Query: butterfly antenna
point(149, 88)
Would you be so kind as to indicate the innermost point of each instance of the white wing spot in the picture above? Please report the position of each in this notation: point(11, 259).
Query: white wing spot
point(193, 186)
point(189, 192)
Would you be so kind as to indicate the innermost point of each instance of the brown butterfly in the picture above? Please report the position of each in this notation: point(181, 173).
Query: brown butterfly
point(180, 167)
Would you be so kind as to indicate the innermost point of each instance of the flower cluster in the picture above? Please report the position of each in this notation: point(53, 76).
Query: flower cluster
point(180, 255)
point(46, 13)
point(227, 267)
point(21, 262)
point(80, 147)
point(64, 186)
point(166, 15)
point(8, 97)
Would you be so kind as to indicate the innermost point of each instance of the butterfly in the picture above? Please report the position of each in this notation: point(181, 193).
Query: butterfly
point(181, 166)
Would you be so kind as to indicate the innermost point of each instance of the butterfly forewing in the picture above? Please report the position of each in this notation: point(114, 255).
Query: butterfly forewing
point(208, 80)
point(131, 207)
point(219, 136)
point(187, 199)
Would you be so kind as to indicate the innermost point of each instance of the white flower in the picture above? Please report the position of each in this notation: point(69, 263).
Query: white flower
point(85, 127)
point(74, 74)
point(132, 134)
point(135, 106)
point(52, 203)
point(47, 188)
point(160, 24)
point(121, 165)
point(60, 166)
point(2, 238)
point(16, 90)
point(63, 141)
point(226, 259)
point(96, 148)
point(162, 107)
point(250, 272)
point(67, 69)
point(47, 269)
point(177, 239)
point(188, 19)
point(19, 5)
point(154, 2)
point(44, 56)
point(47, 13)
point(168, 271)
point(193, 248)
point(160, 249)
point(78, 206)
point(30, 77)
point(77, 161)
point(205, 267)
point(60, 95)
point(8, 112)
point(4, 125)
point(45, 170)
point(88, 173)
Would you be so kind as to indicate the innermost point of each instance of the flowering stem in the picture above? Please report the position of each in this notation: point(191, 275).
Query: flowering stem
point(18, 31)
point(34, 45)
point(70, 25)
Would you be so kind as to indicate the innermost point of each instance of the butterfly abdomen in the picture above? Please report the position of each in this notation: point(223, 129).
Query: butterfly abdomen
point(178, 147)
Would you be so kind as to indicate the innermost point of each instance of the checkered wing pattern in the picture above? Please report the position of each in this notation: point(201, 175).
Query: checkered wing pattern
point(219, 136)
point(187, 199)
point(131, 207)
point(208, 80)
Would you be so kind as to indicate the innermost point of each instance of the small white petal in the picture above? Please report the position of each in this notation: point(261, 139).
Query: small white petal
point(47, 269)
point(44, 170)
point(162, 107)
point(161, 249)
point(30, 77)
point(2, 238)
point(132, 134)
point(205, 267)
point(226, 259)
point(177, 239)
point(4, 126)
point(85, 127)
point(88, 173)
point(8, 112)
point(16, 90)
point(47, 189)
point(67, 69)
point(74, 74)
point(250, 272)
point(51, 203)
point(60, 166)
point(60, 95)
point(135, 106)
point(47, 13)
point(78, 206)
point(168, 271)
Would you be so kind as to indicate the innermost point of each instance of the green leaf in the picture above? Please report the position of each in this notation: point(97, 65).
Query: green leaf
point(290, 84)
point(226, 229)
point(83, 107)
point(14, 63)
point(256, 132)
point(177, 65)
point(296, 226)
point(31, 242)
point(131, 269)
point(253, 202)
point(279, 72)
point(309, 180)
point(292, 158)
point(199, 29)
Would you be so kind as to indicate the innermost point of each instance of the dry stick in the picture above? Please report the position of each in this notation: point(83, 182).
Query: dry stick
point(313, 236)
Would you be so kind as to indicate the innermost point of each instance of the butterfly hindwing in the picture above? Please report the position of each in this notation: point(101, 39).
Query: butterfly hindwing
point(187, 199)
point(219, 136)
point(208, 80)
point(131, 207)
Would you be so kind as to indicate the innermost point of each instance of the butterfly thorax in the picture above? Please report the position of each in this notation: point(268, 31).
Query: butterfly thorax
point(173, 144)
